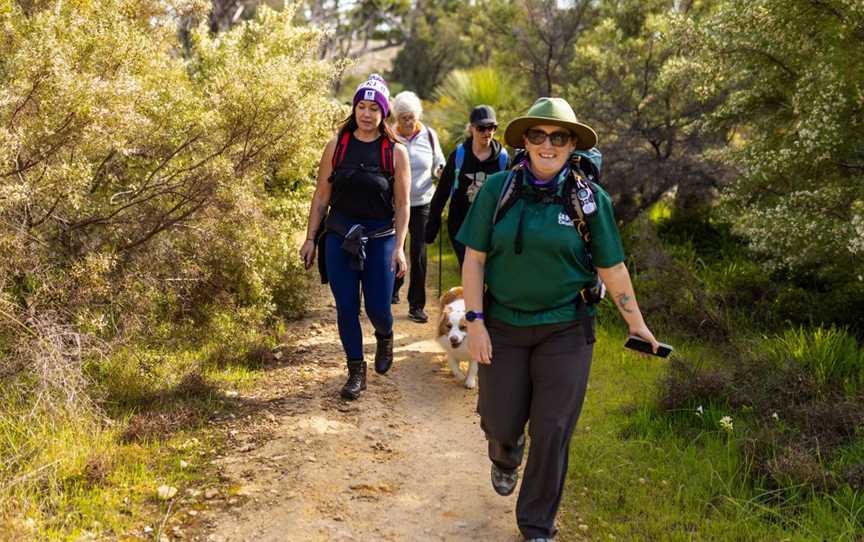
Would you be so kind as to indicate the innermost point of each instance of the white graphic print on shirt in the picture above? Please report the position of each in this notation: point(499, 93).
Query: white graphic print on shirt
point(477, 179)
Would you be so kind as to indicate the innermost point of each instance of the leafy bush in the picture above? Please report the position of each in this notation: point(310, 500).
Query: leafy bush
point(733, 284)
point(150, 196)
point(142, 188)
point(671, 295)
point(787, 78)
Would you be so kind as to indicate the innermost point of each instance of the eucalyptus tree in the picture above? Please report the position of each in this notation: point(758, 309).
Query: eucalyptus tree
point(440, 38)
point(650, 124)
point(534, 40)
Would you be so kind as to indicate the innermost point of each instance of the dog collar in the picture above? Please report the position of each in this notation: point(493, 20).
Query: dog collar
point(471, 316)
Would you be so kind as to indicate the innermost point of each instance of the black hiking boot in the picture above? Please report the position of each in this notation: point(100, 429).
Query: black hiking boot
point(504, 482)
point(356, 380)
point(383, 353)
point(416, 314)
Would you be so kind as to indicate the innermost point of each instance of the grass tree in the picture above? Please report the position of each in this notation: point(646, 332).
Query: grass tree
point(462, 90)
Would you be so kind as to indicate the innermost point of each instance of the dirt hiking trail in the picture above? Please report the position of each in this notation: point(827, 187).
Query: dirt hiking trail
point(406, 461)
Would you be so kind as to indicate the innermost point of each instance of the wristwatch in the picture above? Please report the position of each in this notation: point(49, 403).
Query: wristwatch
point(471, 316)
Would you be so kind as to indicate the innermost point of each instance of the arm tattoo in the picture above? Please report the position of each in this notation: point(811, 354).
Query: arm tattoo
point(623, 300)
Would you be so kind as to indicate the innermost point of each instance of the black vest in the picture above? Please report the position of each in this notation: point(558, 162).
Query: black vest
point(361, 188)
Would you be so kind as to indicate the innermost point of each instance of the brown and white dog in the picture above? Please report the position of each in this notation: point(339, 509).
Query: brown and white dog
point(453, 336)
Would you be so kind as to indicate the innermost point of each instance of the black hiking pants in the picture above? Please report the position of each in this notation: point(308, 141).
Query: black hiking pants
point(453, 224)
point(538, 376)
point(417, 257)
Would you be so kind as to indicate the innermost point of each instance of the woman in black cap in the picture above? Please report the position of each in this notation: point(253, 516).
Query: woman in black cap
point(467, 168)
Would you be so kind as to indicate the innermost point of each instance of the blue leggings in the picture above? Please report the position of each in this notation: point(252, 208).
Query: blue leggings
point(377, 281)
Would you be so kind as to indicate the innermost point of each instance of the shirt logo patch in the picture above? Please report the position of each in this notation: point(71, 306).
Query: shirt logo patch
point(564, 220)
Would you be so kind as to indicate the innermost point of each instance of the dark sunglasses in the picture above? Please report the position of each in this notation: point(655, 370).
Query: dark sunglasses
point(537, 137)
point(487, 128)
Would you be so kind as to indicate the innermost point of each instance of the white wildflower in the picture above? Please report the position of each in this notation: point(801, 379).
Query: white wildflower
point(166, 492)
point(726, 423)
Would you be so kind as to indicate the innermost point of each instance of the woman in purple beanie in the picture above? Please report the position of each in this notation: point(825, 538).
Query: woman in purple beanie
point(364, 181)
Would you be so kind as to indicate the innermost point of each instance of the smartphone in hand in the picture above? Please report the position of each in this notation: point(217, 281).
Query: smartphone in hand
point(641, 345)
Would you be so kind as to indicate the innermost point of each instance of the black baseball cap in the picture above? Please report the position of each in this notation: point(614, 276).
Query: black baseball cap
point(483, 115)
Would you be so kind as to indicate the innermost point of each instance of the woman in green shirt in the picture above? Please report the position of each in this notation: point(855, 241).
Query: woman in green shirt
point(535, 340)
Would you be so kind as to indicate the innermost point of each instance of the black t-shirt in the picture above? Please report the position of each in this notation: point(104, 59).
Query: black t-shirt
point(361, 188)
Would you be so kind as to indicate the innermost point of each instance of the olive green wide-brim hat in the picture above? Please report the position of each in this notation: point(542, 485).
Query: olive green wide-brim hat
point(553, 111)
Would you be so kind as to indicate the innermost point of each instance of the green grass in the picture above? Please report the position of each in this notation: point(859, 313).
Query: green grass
point(831, 355)
point(634, 477)
point(66, 475)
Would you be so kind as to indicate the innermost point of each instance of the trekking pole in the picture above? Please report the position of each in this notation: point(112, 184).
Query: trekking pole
point(440, 245)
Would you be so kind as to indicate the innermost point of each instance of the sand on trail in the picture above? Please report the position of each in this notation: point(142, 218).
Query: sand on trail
point(406, 461)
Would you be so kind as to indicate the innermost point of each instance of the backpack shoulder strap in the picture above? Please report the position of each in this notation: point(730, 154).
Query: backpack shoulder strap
point(510, 192)
point(341, 149)
point(388, 163)
point(590, 162)
point(431, 135)
point(574, 206)
point(460, 159)
point(503, 158)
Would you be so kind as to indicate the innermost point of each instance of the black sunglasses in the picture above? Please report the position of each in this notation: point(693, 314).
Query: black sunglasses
point(487, 128)
point(537, 137)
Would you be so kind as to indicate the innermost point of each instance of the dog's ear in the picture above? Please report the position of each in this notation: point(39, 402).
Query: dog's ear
point(451, 295)
point(442, 324)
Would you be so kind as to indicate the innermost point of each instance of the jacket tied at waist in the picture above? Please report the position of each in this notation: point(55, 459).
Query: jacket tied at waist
point(354, 239)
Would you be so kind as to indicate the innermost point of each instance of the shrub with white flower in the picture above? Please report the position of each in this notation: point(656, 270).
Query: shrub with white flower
point(789, 79)
point(726, 424)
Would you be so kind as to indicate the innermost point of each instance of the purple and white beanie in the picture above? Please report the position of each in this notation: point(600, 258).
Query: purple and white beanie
point(374, 90)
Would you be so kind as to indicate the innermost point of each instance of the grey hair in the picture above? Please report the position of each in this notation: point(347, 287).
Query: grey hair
point(407, 102)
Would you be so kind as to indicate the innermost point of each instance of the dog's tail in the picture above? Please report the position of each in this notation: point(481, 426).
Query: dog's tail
point(450, 296)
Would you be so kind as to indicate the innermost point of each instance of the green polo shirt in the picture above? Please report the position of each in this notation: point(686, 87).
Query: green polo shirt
point(534, 287)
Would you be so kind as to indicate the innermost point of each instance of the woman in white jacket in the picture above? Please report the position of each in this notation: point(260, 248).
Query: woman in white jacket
point(427, 161)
